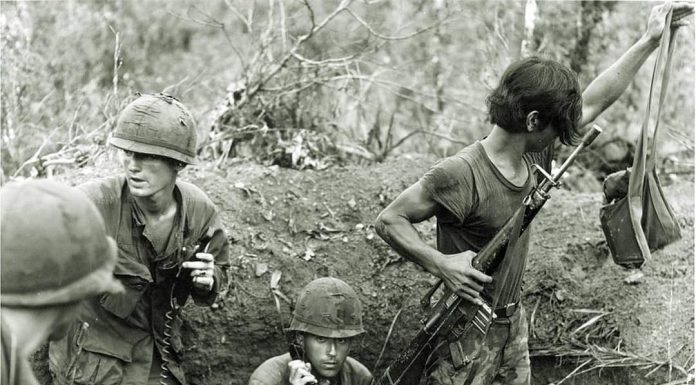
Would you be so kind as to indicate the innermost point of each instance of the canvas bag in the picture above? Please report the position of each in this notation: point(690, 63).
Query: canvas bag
point(642, 220)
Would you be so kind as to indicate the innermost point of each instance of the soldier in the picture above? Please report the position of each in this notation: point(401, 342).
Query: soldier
point(326, 321)
point(55, 253)
point(474, 192)
point(171, 245)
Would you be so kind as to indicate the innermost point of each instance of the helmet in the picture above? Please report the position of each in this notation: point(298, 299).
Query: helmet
point(157, 125)
point(54, 246)
point(328, 307)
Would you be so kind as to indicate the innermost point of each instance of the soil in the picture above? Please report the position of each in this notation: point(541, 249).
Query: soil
point(307, 224)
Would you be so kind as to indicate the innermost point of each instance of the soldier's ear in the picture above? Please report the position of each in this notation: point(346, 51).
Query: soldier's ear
point(178, 166)
point(299, 337)
point(532, 123)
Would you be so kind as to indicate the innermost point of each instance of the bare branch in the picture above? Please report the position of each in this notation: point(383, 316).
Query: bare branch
point(386, 340)
point(117, 61)
point(384, 84)
point(269, 29)
point(341, 7)
point(283, 28)
point(426, 132)
point(247, 21)
point(311, 13)
point(386, 37)
point(341, 61)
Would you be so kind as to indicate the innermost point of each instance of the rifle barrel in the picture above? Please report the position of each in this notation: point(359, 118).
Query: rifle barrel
point(589, 137)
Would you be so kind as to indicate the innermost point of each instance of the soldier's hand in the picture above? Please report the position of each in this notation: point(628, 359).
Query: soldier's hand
point(301, 373)
point(461, 277)
point(656, 21)
point(202, 271)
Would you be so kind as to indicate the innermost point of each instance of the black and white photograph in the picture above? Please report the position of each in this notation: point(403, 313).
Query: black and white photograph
point(347, 192)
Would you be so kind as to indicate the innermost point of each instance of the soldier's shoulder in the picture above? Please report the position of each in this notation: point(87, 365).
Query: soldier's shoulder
point(471, 153)
point(360, 375)
point(274, 371)
point(467, 156)
point(103, 190)
point(193, 194)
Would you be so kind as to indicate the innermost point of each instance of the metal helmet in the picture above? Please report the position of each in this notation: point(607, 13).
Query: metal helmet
point(328, 307)
point(158, 125)
point(54, 246)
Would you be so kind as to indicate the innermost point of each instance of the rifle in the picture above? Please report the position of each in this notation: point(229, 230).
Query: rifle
point(453, 316)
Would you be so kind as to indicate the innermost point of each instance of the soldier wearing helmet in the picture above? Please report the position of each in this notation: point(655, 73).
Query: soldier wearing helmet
point(326, 321)
point(171, 246)
point(55, 253)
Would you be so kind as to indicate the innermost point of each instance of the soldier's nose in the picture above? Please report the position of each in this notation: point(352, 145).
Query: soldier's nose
point(332, 349)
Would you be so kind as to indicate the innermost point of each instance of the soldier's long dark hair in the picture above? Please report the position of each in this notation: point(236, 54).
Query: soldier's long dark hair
point(538, 84)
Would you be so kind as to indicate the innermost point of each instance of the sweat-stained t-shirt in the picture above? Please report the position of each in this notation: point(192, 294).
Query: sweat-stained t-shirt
point(476, 202)
point(275, 371)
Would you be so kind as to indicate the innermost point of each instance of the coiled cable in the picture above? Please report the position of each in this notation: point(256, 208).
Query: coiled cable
point(169, 316)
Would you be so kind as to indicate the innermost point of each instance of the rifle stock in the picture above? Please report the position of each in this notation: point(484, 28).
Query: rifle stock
point(452, 311)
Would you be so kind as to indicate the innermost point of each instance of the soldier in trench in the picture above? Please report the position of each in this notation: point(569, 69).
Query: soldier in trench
point(171, 246)
point(326, 322)
point(474, 192)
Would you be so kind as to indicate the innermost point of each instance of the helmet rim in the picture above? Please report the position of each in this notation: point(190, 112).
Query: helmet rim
point(152, 149)
point(323, 331)
point(100, 280)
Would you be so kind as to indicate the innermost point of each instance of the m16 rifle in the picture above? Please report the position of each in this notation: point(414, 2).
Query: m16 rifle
point(455, 317)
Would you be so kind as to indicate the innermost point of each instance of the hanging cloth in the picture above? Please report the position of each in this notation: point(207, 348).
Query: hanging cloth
point(638, 219)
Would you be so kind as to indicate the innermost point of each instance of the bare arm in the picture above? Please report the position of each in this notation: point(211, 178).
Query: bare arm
point(395, 225)
point(610, 84)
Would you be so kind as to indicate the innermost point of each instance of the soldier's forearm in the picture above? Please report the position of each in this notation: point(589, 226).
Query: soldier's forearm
point(612, 82)
point(400, 234)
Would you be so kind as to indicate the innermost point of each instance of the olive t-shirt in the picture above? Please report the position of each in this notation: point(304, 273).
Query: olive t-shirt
point(476, 202)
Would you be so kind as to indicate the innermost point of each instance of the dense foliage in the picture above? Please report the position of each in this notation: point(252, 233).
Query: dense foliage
point(304, 84)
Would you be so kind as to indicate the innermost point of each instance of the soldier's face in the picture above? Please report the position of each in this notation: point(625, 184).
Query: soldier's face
point(146, 174)
point(326, 355)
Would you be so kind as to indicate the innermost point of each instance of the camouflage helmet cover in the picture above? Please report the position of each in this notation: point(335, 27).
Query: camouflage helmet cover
point(157, 124)
point(54, 247)
point(328, 307)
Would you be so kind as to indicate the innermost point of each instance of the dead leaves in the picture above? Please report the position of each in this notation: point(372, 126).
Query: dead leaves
point(275, 288)
point(306, 149)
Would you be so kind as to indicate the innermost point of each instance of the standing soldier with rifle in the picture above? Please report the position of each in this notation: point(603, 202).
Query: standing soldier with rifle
point(474, 193)
point(326, 321)
point(170, 246)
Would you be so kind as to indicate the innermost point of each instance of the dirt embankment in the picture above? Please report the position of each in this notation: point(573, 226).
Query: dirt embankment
point(307, 224)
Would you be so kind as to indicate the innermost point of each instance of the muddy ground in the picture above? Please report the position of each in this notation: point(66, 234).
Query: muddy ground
point(307, 224)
